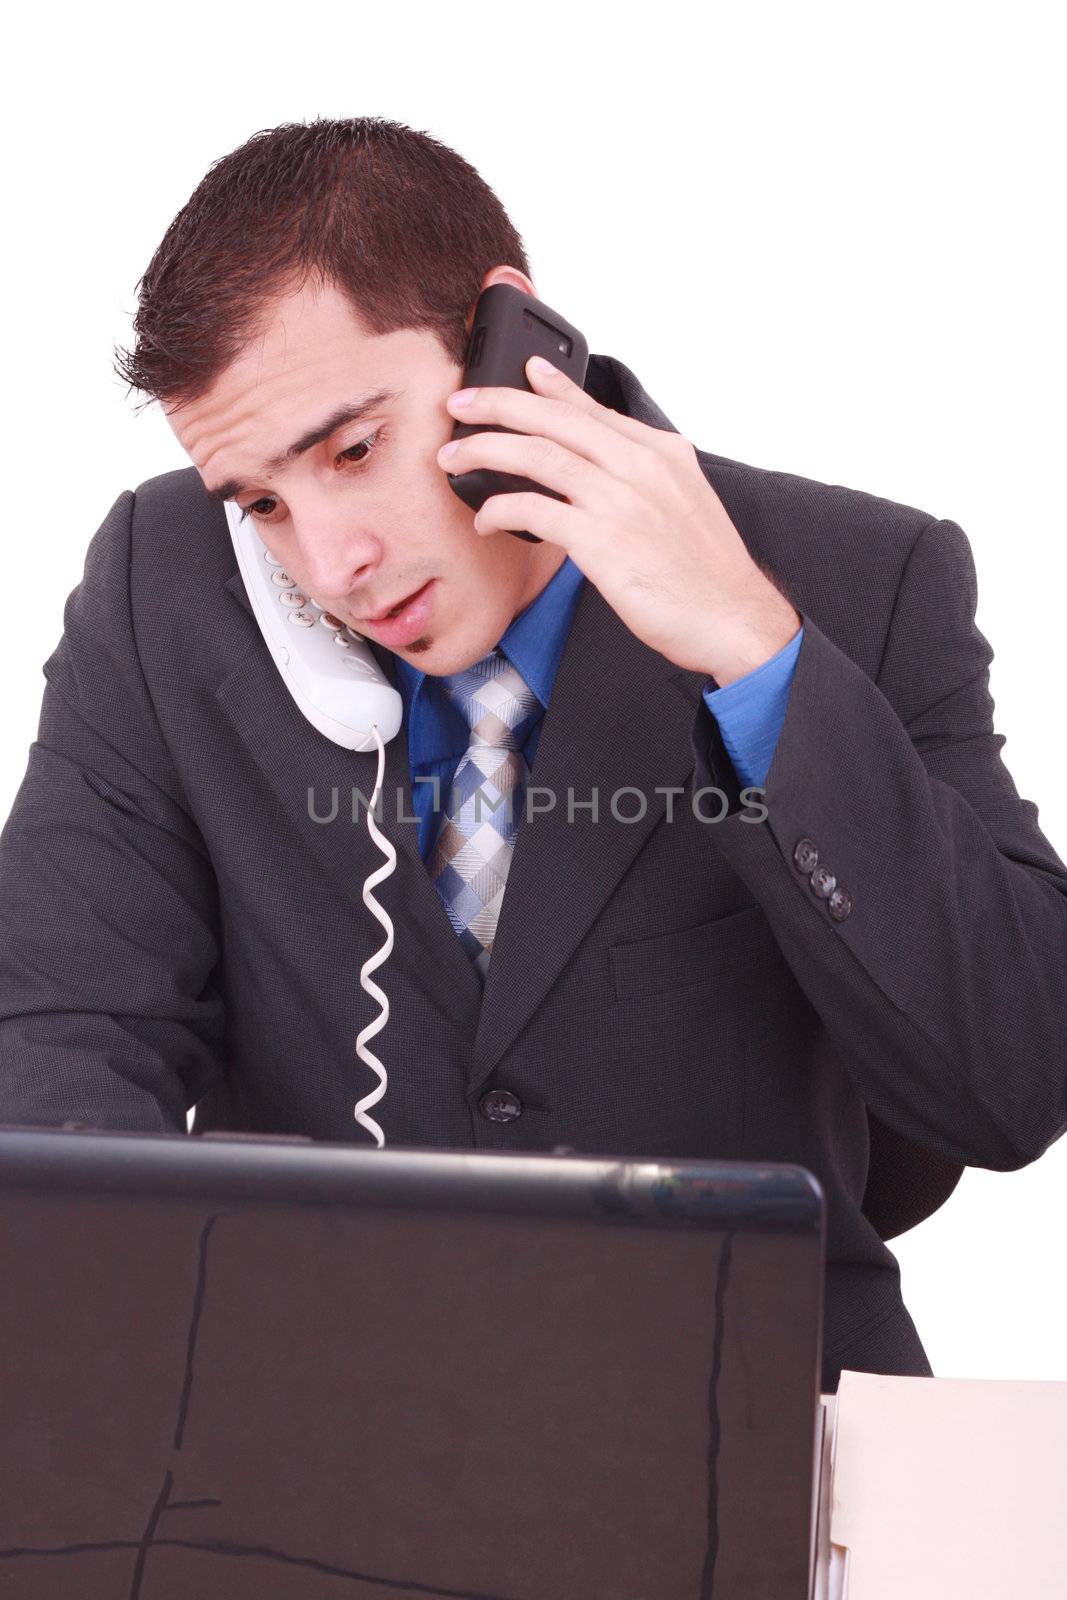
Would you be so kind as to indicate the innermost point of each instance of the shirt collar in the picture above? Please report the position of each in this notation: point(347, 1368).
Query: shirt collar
point(534, 641)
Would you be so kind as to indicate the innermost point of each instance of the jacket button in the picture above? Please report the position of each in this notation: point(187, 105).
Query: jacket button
point(500, 1105)
point(839, 904)
point(823, 882)
point(805, 856)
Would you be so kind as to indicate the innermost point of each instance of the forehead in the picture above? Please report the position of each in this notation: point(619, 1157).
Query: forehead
point(309, 356)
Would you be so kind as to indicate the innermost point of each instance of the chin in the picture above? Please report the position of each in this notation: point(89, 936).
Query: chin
point(450, 658)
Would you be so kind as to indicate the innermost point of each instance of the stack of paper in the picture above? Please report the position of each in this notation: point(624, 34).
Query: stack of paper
point(943, 1489)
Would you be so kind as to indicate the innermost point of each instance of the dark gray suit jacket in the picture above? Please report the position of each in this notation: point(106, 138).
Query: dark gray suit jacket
point(177, 928)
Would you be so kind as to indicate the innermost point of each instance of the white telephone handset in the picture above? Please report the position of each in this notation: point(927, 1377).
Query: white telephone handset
point(340, 688)
point(327, 668)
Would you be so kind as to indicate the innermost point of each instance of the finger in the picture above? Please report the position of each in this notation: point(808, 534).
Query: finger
point(580, 431)
point(549, 519)
point(572, 418)
point(549, 381)
point(543, 460)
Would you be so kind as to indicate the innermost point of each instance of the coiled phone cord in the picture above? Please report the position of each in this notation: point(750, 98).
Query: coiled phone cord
point(375, 961)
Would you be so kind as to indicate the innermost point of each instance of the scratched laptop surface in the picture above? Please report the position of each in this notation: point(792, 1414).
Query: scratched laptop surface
point(248, 1368)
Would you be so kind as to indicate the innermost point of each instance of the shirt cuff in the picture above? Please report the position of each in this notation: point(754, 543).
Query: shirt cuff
point(750, 712)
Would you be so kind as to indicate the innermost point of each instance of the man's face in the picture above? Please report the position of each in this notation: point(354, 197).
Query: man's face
point(358, 510)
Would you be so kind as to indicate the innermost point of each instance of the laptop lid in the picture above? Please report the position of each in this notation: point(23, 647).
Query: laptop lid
point(255, 1367)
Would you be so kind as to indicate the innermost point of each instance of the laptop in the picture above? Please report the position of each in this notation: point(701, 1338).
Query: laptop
point(255, 1367)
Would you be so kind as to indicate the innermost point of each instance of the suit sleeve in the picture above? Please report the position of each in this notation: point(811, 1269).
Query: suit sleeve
point(109, 939)
point(909, 887)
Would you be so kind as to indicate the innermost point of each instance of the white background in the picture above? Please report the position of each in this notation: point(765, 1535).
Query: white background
point(826, 238)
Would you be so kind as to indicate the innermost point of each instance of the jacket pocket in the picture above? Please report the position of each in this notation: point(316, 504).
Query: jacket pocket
point(711, 950)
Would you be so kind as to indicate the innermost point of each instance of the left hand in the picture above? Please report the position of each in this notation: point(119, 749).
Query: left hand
point(640, 519)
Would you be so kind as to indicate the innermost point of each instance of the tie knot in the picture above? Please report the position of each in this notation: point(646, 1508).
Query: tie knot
point(493, 698)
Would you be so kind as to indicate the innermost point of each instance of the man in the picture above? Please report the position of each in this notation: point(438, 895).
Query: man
point(864, 977)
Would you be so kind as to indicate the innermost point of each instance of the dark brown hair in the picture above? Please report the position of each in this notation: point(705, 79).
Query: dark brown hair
point(394, 219)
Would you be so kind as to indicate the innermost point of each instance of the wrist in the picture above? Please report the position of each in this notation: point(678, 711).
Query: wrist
point(749, 632)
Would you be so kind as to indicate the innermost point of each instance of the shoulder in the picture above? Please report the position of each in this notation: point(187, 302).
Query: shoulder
point(789, 522)
point(181, 570)
point(174, 496)
point(823, 517)
point(173, 523)
point(840, 553)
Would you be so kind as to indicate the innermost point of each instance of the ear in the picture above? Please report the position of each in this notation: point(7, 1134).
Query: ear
point(502, 274)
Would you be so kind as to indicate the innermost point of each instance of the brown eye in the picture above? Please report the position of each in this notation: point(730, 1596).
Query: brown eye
point(259, 508)
point(364, 444)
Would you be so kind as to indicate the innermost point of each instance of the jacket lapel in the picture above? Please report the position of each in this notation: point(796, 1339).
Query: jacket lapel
point(620, 718)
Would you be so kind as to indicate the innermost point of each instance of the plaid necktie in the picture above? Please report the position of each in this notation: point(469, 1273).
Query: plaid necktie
point(471, 855)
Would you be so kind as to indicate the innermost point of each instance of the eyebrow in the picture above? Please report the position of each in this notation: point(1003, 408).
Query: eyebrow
point(364, 407)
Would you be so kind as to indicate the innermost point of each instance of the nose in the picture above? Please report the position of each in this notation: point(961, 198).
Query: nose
point(335, 557)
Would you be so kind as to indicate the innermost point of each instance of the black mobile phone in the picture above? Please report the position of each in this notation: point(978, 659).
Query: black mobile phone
point(509, 327)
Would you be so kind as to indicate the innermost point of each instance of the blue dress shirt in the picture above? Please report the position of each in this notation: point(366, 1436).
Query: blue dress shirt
point(750, 712)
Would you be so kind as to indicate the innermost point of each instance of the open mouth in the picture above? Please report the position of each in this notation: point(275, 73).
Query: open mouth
point(395, 611)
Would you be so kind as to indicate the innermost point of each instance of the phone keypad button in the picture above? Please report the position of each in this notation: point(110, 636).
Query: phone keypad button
point(328, 620)
point(271, 559)
point(302, 619)
point(281, 579)
point(293, 600)
point(341, 642)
